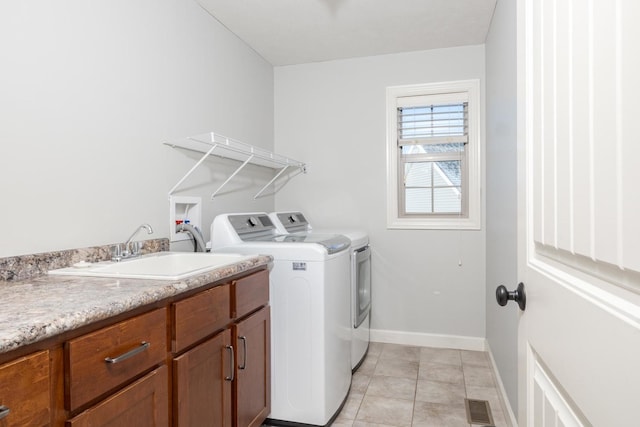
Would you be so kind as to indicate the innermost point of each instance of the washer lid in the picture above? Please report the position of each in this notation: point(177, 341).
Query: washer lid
point(332, 242)
point(359, 238)
point(295, 222)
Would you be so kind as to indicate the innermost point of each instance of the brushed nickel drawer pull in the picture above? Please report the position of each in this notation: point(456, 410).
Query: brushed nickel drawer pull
point(4, 411)
point(244, 346)
point(232, 365)
point(143, 346)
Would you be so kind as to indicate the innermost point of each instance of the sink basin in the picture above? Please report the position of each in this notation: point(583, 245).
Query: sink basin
point(161, 265)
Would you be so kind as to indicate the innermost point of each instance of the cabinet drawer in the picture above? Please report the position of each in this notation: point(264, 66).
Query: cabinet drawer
point(250, 293)
point(102, 360)
point(24, 391)
point(142, 404)
point(199, 316)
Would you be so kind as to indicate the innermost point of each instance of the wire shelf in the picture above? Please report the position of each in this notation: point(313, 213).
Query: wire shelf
point(213, 144)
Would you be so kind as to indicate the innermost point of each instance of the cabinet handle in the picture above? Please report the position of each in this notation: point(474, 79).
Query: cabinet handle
point(244, 351)
point(142, 347)
point(232, 365)
point(4, 411)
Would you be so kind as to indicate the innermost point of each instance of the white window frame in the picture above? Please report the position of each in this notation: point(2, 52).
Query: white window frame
point(470, 221)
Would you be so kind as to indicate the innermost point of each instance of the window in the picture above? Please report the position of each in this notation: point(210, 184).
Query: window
point(433, 156)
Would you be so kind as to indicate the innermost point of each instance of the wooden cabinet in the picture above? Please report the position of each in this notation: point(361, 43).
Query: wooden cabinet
point(141, 404)
point(103, 360)
point(225, 380)
point(253, 375)
point(202, 379)
point(249, 293)
point(24, 391)
point(252, 339)
point(201, 360)
point(200, 316)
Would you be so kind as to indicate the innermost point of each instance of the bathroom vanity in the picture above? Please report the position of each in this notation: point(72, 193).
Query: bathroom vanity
point(79, 351)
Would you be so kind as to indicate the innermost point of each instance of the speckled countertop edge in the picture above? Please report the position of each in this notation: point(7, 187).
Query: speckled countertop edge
point(43, 307)
point(24, 267)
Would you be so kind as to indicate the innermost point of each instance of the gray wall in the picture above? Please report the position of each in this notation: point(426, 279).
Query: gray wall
point(502, 322)
point(332, 115)
point(90, 90)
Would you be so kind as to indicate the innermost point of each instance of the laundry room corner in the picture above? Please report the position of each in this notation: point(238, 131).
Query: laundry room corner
point(428, 286)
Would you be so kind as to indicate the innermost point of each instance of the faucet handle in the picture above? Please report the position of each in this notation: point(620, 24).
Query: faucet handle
point(117, 252)
point(136, 247)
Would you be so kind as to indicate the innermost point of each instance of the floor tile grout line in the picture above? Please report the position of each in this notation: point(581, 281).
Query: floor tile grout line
point(371, 374)
point(415, 392)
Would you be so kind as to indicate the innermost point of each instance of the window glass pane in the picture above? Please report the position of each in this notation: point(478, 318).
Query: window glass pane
point(447, 173)
point(418, 200)
point(447, 200)
point(433, 187)
point(455, 147)
point(418, 174)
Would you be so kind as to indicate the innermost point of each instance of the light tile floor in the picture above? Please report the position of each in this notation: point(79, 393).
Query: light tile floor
point(401, 386)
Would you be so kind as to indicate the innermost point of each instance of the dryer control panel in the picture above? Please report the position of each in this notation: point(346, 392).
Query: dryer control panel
point(246, 224)
point(293, 222)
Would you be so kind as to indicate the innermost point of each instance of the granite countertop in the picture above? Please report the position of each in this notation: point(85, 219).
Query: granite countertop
point(40, 308)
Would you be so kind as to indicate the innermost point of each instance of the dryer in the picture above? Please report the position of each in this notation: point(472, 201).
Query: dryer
point(310, 315)
point(296, 223)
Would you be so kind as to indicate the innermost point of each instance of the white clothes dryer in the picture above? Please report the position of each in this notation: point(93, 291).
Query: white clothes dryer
point(296, 223)
point(310, 315)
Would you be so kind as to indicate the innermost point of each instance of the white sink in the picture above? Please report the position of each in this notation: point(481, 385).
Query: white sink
point(161, 265)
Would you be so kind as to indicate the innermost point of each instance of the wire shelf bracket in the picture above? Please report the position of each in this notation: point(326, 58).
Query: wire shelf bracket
point(212, 144)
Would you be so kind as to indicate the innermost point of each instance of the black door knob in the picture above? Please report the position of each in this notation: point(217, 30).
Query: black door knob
point(519, 296)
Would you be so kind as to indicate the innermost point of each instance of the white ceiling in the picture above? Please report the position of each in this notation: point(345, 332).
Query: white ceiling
point(289, 32)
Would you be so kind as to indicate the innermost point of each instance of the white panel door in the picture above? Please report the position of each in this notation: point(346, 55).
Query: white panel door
point(579, 212)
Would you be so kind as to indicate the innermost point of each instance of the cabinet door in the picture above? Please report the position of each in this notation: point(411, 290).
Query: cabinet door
point(253, 380)
point(142, 404)
point(202, 380)
point(24, 391)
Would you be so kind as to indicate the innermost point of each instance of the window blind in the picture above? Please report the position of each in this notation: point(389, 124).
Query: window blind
point(433, 124)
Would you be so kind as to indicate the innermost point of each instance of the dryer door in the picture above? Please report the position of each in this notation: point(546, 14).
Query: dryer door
point(361, 271)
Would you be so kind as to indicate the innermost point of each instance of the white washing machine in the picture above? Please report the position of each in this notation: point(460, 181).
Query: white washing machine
point(310, 315)
point(296, 223)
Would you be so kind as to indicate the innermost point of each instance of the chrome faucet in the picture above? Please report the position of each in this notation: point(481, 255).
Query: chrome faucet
point(123, 251)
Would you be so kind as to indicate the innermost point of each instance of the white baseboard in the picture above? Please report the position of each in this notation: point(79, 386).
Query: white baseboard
point(428, 340)
point(507, 407)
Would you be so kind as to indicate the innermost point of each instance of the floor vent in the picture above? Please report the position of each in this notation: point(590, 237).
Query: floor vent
point(478, 412)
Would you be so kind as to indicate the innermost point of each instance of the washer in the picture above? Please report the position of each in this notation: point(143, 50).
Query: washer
point(296, 223)
point(310, 315)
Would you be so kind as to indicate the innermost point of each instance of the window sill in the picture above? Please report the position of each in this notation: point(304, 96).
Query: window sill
point(433, 224)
